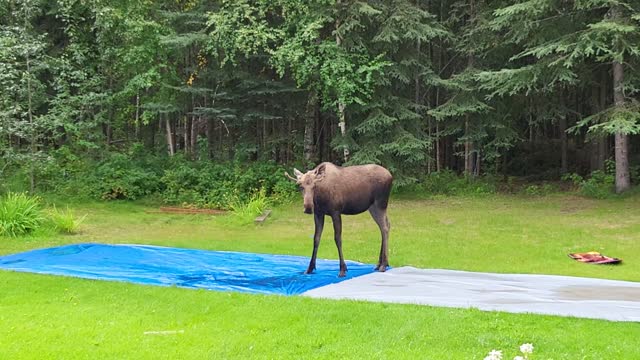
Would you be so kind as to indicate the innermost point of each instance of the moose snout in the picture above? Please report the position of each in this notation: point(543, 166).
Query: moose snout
point(308, 210)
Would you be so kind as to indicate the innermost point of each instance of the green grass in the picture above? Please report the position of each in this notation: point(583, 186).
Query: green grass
point(68, 318)
point(19, 214)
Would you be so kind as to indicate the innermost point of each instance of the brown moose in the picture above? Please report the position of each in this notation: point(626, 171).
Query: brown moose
point(333, 190)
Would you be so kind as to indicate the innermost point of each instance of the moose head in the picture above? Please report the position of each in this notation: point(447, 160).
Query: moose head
point(307, 183)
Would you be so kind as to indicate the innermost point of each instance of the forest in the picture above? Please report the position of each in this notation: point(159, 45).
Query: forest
point(141, 95)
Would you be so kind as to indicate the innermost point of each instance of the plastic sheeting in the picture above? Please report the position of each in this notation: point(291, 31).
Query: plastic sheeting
point(516, 293)
point(190, 268)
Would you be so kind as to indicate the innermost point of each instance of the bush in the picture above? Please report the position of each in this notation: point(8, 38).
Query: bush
point(19, 214)
point(244, 212)
point(634, 173)
point(538, 190)
point(448, 183)
point(65, 221)
point(599, 185)
point(120, 177)
point(221, 186)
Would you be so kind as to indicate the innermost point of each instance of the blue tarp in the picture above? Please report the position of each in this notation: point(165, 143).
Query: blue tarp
point(190, 268)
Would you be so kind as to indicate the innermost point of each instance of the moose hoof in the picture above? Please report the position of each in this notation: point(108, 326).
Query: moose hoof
point(310, 271)
point(381, 268)
point(342, 273)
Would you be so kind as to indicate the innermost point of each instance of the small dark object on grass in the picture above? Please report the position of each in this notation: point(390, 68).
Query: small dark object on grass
point(594, 257)
point(333, 190)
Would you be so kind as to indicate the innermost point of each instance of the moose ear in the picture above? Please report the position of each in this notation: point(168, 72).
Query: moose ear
point(320, 172)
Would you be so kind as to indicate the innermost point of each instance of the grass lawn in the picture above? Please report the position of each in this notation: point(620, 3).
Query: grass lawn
point(48, 317)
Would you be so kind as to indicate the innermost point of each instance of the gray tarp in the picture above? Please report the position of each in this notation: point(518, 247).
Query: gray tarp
point(539, 294)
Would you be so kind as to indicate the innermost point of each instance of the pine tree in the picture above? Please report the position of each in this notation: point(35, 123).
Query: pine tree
point(563, 38)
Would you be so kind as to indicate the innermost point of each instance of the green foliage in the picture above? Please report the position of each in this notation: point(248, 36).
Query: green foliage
point(221, 186)
point(244, 212)
point(599, 185)
point(19, 214)
point(65, 221)
point(449, 183)
point(82, 80)
point(118, 178)
point(614, 120)
point(538, 190)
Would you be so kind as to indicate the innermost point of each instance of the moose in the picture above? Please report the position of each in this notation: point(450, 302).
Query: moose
point(334, 190)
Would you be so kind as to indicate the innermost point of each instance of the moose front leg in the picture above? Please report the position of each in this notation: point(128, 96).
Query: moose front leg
point(337, 229)
point(319, 224)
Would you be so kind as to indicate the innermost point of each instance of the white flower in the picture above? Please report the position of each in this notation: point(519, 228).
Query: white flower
point(526, 348)
point(518, 358)
point(494, 355)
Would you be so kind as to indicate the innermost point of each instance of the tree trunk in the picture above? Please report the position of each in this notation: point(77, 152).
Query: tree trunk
point(603, 143)
point(210, 139)
point(195, 123)
point(429, 101)
point(563, 145)
point(170, 142)
point(468, 150)
point(621, 140)
point(137, 124)
point(468, 144)
point(311, 119)
point(32, 145)
point(290, 138)
point(438, 158)
point(596, 158)
point(149, 135)
point(188, 122)
point(341, 107)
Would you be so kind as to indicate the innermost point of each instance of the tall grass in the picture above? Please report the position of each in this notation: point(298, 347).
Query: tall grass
point(19, 214)
point(245, 212)
point(65, 221)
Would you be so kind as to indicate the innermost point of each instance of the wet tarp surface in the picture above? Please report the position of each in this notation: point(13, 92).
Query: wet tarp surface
point(516, 293)
point(190, 268)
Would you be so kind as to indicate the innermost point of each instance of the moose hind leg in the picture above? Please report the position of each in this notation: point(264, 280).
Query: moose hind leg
point(337, 229)
point(380, 217)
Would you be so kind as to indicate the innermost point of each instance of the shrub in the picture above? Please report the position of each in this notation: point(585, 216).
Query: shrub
point(65, 221)
point(598, 185)
point(634, 173)
point(19, 214)
point(538, 190)
point(120, 177)
point(222, 185)
point(448, 183)
point(244, 212)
